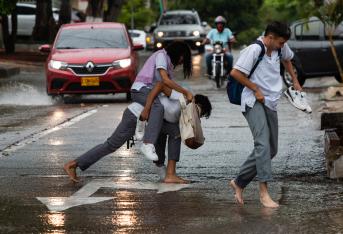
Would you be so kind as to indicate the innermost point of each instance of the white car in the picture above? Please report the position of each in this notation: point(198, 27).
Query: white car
point(138, 37)
point(27, 18)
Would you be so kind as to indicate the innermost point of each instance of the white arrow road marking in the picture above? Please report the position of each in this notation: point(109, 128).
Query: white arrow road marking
point(83, 195)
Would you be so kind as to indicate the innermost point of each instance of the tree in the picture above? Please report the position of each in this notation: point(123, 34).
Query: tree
point(9, 39)
point(65, 13)
point(136, 13)
point(45, 26)
point(113, 10)
point(95, 10)
point(331, 14)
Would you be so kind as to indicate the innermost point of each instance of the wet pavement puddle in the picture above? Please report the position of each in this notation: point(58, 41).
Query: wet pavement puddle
point(83, 195)
point(35, 136)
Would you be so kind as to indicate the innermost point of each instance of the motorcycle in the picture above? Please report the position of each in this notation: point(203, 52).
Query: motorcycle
point(218, 67)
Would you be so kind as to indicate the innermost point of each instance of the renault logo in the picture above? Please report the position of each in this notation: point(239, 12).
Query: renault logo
point(90, 66)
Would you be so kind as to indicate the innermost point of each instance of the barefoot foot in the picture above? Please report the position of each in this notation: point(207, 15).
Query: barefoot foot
point(70, 169)
point(175, 179)
point(267, 201)
point(238, 192)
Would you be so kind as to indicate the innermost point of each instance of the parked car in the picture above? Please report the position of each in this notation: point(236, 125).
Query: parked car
point(312, 53)
point(91, 58)
point(27, 17)
point(182, 25)
point(138, 36)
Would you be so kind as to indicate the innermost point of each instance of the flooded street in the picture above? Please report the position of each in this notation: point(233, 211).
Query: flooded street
point(122, 194)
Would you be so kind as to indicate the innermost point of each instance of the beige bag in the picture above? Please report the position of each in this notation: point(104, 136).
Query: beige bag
point(190, 125)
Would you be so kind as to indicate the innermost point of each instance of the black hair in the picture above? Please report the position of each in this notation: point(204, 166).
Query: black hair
point(278, 28)
point(204, 104)
point(177, 49)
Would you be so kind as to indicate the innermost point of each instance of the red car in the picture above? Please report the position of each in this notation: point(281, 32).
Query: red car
point(91, 58)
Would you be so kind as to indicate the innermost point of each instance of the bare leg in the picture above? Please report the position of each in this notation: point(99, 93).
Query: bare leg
point(238, 192)
point(265, 198)
point(70, 169)
point(171, 176)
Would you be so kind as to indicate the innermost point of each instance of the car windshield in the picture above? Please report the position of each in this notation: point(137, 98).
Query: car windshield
point(178, 19)
point(91, 38)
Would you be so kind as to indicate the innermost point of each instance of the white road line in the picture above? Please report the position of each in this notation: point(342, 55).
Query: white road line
point(83, 195)
point(35, 136)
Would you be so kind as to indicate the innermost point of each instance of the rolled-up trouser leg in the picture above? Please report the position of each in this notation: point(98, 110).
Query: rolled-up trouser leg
point(263, 125)
point(124, 131)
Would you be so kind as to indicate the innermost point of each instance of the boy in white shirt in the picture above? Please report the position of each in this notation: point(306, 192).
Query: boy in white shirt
point(258, 104)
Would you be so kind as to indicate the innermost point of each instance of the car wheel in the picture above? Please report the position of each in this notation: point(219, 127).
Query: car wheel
point(338, 78)
point(287, 79)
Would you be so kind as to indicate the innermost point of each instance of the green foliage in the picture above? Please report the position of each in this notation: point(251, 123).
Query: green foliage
point(242, 16)
point(142, 16)
point(6, 7)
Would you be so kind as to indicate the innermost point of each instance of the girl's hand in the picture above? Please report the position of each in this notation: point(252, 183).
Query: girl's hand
point(145, 114)
point(189, 96)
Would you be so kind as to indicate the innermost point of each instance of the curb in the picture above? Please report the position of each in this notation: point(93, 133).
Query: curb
point(9, 71)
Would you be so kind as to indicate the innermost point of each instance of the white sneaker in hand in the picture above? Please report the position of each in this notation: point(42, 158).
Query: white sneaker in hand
point(161, 171)
point(149, 151)
point(294, 97)
point(304, 102)
point(140, 129)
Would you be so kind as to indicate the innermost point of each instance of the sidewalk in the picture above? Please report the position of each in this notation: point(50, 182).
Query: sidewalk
point(11, 64)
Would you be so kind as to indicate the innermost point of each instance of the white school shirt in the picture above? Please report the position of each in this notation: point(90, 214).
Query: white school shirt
point(266, 76)
point(172, 107)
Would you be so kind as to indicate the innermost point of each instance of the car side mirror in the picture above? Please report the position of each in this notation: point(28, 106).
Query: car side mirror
point(204, 23)
point(45, 48)
point(138, 47)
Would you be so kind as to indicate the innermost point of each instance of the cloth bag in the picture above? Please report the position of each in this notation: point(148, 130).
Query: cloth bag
point(190, 124)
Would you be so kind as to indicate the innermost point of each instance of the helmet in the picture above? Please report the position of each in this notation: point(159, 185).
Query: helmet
point(220, 19)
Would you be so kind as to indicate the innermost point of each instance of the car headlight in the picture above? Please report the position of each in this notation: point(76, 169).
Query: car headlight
point(58, 65)
point(160, 34)
point(196, 33)
point(122, 63)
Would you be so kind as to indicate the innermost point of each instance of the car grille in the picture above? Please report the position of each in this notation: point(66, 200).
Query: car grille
point(99, 69)
point(176, 34)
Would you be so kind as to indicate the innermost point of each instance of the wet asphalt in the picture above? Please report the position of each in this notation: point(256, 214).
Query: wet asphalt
point(122, 193)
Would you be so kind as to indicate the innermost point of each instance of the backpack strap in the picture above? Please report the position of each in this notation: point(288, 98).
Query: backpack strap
point(260, 57)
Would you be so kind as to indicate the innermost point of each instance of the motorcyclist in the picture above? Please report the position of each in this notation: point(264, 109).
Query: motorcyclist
point(220, 33)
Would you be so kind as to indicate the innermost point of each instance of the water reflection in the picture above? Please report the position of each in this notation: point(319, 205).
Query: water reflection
point(56, 222)
point(125, 214)
point(57, 115)
point(56, 142)
point(125, 175)
point(197, 66)
point(56, 219)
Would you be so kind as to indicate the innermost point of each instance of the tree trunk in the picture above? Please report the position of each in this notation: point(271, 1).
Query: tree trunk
point(45, 25)
point(95, 10)
point(113, 10)
point(334, 53)
point(9, 39)
point(65, 13)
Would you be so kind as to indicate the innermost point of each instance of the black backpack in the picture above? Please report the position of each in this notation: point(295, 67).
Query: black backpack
point(234, 89)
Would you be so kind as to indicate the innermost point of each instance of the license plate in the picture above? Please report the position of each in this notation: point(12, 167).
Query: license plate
point(89, 81)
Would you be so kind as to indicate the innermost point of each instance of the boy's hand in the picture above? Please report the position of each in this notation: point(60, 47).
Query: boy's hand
point(145, 114)
point(259, 96)
point(296, 85)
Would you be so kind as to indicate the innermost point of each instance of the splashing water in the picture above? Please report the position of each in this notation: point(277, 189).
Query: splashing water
point(23, 95)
